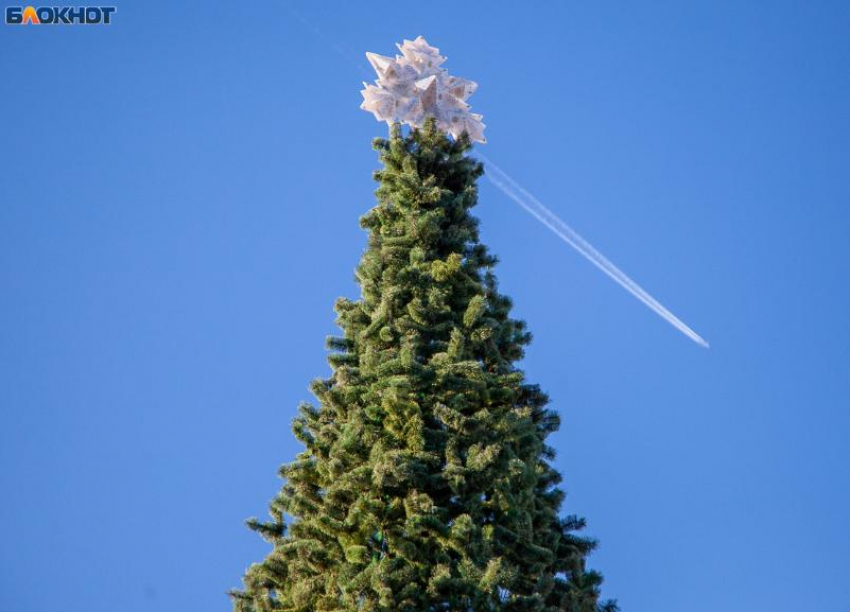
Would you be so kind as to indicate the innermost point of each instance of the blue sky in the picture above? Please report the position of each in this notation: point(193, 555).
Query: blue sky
point(179, 195)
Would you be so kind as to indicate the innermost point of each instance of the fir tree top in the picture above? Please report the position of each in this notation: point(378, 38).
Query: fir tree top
point(426, 483)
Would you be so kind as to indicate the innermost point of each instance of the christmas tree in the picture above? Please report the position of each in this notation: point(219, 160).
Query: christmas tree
point(426, 482)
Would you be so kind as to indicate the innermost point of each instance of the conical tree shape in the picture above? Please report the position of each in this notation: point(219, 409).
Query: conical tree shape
point(426, 482)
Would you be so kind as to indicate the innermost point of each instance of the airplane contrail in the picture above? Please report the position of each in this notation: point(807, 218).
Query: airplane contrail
point(535, 208)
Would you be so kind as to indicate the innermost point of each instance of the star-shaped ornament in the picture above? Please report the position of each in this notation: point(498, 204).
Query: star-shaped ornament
point(412, 87)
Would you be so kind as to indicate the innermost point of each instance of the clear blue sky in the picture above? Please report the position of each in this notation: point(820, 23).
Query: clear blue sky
point(179, 196)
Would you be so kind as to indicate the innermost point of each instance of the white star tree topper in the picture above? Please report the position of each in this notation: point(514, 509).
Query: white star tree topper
point(413, 86)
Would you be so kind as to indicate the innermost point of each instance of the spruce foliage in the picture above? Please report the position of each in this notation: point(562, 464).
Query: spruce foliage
point(426, 483)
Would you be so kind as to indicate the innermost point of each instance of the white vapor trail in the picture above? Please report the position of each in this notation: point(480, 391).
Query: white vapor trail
point(535, 208)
